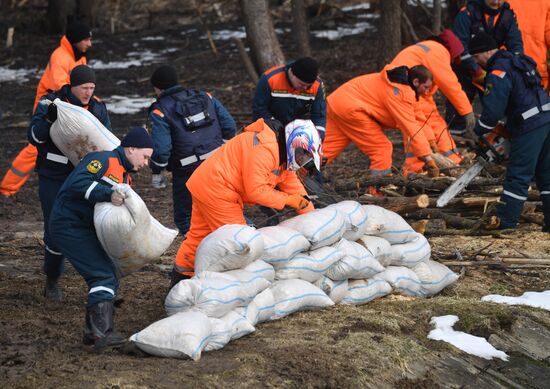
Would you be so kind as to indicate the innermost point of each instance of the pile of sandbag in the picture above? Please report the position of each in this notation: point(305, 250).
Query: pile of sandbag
point(342, 254)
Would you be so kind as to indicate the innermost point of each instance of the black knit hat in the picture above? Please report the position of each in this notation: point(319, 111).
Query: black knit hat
point(137, 137)
point(306, 69)
point(77, 31)
point(164, 77)
point(82, 74)
point(482, 42)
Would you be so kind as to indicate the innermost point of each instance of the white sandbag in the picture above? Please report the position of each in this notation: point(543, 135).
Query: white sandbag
point(213, 295)
point(335, 290)
point(220, 335)
point(356, 218)
point(357, 263)
point(262, 269)
point(182, 335)
point(296, 295)
point(388, 225)
point(362, 291)
point(434, 277)
point(411, 253)
point(232, 246)
point(309, 266)
point(379, 247)
point(77, 132)
point(321, 227)
point(129, 234)
point(281, 244)
point(238, 325)
point(261, 308)
point(402, 279)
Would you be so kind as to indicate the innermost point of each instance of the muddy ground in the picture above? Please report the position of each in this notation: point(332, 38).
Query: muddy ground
point(382, 344)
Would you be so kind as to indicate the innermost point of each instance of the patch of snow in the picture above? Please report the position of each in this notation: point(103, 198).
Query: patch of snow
point(532, 299)
point(153, 38)
point(356, 6)
point(127, 104)
point(19, 75)
point(224, 35)
point(470, 344)
point(135, 58)
point(169, 50)
point(341, 32)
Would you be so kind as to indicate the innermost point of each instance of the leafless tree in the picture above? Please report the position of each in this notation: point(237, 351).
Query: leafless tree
point(390, 30)
point(436, 24)
point(300, 27)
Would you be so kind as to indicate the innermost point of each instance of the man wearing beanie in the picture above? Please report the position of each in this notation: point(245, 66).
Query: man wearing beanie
point(72, 228)
point(437, 54)
point(496, 18)
point(70, 53)
point(513, 89)
point(52, 165)
point(187, 126)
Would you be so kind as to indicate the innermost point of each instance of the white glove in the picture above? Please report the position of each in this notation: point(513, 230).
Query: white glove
point(158, 181)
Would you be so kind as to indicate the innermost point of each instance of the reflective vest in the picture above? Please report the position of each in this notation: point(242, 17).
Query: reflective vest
point(500, 28)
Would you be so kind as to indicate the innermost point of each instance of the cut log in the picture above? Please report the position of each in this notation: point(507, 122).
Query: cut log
point(450, 220)
point(398, 204)
point(429, 226)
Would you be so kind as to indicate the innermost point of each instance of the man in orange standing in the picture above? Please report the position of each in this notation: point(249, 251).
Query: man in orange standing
point(70, 53)
point(534, 23)
point(363, 107)
point(437, 53)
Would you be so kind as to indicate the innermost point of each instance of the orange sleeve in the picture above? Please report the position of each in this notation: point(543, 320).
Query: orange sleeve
point(60, 67)
point(547, 29)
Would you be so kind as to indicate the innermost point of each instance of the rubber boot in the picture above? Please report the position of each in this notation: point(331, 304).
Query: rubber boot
point(52, 291)
point(100, 329)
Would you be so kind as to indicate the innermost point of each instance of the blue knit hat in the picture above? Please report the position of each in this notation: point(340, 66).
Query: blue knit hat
point(137, 137)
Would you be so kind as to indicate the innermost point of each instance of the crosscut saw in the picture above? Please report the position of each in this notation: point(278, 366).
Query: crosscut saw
point(494, 147)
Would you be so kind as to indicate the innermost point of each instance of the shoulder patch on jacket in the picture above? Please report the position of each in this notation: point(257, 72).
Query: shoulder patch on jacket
point(396, 91)
point(158, 112)
point(499, 73)
point(94, 166)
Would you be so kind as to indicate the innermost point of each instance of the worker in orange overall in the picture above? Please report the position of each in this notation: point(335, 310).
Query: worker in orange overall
point(246, 170)
point(363, 107)
point(70, 53)
point(534, 23)
point(437, 53)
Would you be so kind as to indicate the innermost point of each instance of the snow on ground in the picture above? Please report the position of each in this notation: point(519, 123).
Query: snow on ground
point(19, 75)
point(356, 7)
point(470, 344)
point(127, 104)
point(532, 299)
point(341, 32)
point(153, 38)
point(135, 58)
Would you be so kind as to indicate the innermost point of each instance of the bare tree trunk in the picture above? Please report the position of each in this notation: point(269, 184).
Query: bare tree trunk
point(390, 30)
point(436, 25)
point(58, 10)
point(300, 27)
point(87, 11)
point(261, 34)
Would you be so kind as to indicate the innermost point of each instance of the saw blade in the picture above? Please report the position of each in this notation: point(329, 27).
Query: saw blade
point(461, 183)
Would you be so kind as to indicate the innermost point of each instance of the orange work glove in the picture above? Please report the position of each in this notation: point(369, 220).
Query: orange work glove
point(479, 79)
point(433, 145)
point(297, 201)
point(431, 168)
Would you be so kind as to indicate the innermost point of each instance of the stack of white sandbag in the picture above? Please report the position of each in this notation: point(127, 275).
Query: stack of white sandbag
point(345, 253)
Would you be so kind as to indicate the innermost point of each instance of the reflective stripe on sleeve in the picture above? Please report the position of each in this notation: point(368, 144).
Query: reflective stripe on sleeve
point(101, 289)
point(485, 125)
point(57, 158)
point(290, 95)
point(90, 188)
point(35, 138)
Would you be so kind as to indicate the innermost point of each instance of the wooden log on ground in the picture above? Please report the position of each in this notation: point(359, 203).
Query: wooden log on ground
point(502, 261)
point(429, 226)
point(397, 204)
point(450, 220)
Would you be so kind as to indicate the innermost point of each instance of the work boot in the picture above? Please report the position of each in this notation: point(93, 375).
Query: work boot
point(176, 277)
point(99, 327)
point(52, 291)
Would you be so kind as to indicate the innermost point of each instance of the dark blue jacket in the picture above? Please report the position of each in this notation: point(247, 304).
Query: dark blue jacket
point(186, 126)
point(501, 24)
point(51, 162)
point(89, 183)
point(513, 89)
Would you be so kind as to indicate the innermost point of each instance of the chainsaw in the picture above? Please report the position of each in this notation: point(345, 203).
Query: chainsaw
point(494, 147)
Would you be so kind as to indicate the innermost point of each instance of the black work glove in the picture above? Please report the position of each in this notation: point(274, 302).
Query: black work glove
point(274, 124)
point(51, 116)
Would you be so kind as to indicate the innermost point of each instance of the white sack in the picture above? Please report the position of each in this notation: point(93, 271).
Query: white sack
point(336, 290)
point(356, 218)
point(261, 308)
point(220, 334)
point(309, 266)
point(402, 279)
point(434, 277)
point(181, 335)
point(232, 246)
point(281, 244)
point(296, 295)
point(357, 263)
point(237, 324)
point(322, 227)
point(411, 253)
point(362, 291)
point(77, 132)
point(388, 225)
point(379, 247)
point(262, 269)
point(129, 234)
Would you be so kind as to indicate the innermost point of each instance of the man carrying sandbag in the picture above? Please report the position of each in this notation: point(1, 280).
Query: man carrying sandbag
point(52, 165)
point(246, 170)
point(72, 228)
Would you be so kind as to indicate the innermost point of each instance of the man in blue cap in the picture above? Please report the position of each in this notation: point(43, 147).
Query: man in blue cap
point(72, 228)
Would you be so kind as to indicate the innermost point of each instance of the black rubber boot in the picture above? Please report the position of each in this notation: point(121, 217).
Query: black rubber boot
point(99, 327)
point(52, 291)
point(176, 277)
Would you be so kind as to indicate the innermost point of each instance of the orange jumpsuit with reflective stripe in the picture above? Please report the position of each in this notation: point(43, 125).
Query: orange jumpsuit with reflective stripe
point(245, 170)
point(56, 74)
point(362, 108)
point(534, 23)
point(437, 59)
